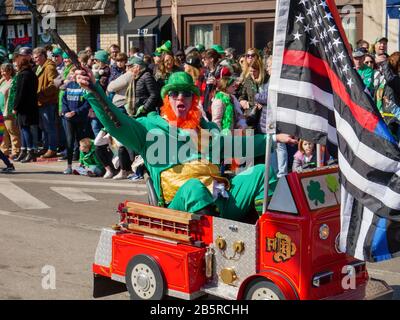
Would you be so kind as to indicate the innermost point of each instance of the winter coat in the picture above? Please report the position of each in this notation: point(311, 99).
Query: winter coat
point(248, 92)
point(390, 97)
point(47, 91)
point(25, 102)
point(119, 87)
point(146, 93)
point(73, 100)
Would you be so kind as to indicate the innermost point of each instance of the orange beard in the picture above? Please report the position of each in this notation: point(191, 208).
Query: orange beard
point(192, 119)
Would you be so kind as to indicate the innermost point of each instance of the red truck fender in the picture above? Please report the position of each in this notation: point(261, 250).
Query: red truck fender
point(282, 283)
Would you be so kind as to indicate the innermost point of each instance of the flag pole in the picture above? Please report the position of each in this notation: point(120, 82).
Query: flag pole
point(267, 167)
point(319, 156)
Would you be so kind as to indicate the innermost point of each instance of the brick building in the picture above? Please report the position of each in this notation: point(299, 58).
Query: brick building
point(80, 23)
point(232, 23)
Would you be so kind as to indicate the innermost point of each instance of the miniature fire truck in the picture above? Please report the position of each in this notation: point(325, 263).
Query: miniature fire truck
point(290, 252)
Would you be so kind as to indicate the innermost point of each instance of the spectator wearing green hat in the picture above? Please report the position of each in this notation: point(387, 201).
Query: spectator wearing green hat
point(219, 49)
point(58, 60)
point(101, 69)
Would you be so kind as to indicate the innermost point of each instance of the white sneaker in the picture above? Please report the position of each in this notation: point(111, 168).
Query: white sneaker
point(121, 175)
point(108, 175)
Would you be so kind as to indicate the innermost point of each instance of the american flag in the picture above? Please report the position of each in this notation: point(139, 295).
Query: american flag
point(316, 94)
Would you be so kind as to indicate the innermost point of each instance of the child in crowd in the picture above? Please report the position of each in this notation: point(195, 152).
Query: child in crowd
point(75, 110)
point(305, 155)
point(101, 69)
point(89, 163)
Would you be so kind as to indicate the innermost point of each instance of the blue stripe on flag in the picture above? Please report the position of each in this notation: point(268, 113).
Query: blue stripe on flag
point(382, 130)
point(379, 247)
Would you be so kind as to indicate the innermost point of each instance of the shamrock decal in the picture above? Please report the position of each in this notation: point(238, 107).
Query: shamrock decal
point(333, 185)
point(315, 193)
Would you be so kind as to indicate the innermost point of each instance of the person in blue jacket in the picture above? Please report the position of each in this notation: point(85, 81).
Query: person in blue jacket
point(75, 109)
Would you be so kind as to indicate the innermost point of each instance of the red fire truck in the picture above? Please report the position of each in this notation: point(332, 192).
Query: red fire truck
point(290, 252)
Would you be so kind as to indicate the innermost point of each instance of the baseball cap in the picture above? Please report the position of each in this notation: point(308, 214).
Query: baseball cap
point(193, 61)
point(24, 51)
point(190, 49)
point(360, 52)
point(135, 60)
point(382, 39)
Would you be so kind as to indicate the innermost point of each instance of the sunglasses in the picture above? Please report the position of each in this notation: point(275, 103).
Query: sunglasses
point(251, 55)
point(175, 94)
point(369, 62)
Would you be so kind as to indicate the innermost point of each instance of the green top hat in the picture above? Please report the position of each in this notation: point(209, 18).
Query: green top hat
point(180, 81)
point(166, 47)
point(102, 56)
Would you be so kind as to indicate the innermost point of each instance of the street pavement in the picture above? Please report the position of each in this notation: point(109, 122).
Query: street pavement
point(50, 226)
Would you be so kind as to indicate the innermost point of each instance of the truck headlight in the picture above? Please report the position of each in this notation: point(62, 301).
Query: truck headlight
point(324, 232)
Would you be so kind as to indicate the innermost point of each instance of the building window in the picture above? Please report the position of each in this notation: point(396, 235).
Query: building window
point(201, 34)
point(234, 35)
point(263, 33)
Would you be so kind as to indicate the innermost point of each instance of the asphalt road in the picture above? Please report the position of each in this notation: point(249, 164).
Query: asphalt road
point(50, 226)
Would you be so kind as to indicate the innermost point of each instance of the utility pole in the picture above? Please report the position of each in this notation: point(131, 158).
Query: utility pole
point(34, 27)
point(174, 15)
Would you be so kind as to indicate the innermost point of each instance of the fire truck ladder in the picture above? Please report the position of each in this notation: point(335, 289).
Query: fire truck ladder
point(160, 222)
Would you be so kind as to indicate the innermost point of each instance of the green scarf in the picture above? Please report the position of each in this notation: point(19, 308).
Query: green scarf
point(228, 118)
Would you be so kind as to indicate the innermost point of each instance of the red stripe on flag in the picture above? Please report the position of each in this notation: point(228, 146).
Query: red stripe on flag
point(299, 58)
point(304, 59)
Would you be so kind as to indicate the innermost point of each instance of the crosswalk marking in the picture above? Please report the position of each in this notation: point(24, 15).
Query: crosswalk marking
point(76, 194)
point(20, 197)
point(128, 186)
point(73, 194)
point(80, 194)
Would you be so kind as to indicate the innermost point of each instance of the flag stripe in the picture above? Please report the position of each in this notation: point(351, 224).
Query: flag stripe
point(304, 59)
point(352, 147)
point(306, 75)
point(306, 90)
point(384, 147)
point(367, 217)
point(385, 195)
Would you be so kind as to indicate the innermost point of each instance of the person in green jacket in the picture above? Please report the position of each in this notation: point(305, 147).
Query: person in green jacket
point(182, 152)
point(366, 73)
point(90, 165)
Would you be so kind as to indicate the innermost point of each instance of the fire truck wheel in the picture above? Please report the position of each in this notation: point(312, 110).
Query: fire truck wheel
point(144, 279)
point(261, 289)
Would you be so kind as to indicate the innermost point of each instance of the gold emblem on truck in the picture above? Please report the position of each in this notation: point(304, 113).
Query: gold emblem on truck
point(283, 247)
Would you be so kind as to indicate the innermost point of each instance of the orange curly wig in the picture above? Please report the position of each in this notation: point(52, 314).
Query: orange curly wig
point(192, 120)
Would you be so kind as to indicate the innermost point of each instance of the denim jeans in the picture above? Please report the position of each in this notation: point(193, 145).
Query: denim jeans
point(96, 126)
point(47, 115)
point(29, 137)
point(279, 161)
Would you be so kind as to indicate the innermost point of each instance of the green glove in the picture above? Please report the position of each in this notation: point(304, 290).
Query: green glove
point(139, 111)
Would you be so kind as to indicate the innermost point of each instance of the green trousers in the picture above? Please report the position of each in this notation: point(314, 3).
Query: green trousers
point(246, 189)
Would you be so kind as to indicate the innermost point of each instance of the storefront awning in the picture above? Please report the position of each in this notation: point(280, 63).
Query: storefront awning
point(65, 8)
point(151, 24)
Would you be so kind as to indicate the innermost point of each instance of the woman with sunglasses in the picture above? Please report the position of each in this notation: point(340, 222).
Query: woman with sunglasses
point(252, 84)
point(251, 56)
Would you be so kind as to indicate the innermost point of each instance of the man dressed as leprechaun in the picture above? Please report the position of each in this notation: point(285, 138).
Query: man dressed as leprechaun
point(179, 148)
